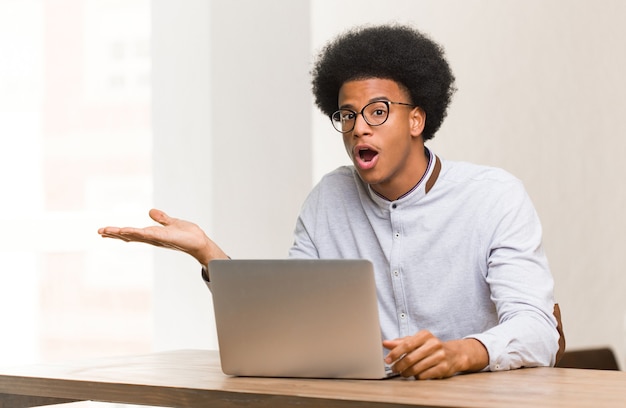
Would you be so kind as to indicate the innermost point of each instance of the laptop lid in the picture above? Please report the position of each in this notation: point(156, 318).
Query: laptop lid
point(297, 318)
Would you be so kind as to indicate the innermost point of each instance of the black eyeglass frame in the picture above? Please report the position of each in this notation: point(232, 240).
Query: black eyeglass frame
point(387, 103)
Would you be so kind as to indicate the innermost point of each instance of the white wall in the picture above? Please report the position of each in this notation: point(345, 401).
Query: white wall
point(541, 94)
point(232, 137)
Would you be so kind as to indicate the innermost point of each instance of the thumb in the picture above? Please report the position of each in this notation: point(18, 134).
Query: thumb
point(160, 217)
point(389, 344)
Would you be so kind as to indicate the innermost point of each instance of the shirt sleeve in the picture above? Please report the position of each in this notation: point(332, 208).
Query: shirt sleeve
point(521, 288)
point(303, 244)
point(205, 276)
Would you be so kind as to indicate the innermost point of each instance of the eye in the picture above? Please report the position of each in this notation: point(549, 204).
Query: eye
point(347, 115)
point(379, 112)
point(376, 110)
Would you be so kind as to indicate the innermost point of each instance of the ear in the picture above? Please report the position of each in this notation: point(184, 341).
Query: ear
point(417, 121)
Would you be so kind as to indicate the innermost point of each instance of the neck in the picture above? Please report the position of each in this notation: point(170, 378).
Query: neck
point(411, 177)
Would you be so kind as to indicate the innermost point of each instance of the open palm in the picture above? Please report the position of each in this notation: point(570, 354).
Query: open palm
point(173, 233)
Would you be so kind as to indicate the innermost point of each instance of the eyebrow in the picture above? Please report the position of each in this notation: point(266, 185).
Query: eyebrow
point(375, 99)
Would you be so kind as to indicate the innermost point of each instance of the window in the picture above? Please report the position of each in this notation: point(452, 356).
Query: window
point(75, 127)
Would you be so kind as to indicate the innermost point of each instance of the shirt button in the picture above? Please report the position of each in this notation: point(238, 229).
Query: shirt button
point(397, 235)
point(394, 206)
point(395, 273)
point(402, 315)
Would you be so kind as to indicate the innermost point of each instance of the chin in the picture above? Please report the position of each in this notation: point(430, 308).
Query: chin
point(369, 178)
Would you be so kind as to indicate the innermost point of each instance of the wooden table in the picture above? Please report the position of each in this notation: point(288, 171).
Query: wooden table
point(192, 378)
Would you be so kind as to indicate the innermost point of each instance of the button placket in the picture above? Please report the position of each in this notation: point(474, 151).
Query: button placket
point(396, 270)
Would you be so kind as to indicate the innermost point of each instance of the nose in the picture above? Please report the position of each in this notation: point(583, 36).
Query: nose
point(361, 127)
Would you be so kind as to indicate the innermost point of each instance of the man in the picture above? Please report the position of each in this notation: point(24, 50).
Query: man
point(462, 281)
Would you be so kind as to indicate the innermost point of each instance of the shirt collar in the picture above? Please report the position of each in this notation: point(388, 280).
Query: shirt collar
point(423, 186)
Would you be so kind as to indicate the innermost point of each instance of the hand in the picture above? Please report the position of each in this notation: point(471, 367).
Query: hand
point(174, 233)
point(424, 356)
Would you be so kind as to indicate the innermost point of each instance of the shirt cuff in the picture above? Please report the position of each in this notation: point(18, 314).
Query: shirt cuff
point(205, 273)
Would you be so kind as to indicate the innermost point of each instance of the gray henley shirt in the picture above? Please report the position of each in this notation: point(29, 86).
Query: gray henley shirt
point(461, 258)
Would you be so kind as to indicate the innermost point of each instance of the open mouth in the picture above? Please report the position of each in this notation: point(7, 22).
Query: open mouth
point(365, 158)
point(367, 155)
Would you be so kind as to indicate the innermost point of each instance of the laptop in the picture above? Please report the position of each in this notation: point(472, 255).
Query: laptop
point(297, 318)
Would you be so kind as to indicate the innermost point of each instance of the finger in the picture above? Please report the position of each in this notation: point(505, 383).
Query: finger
point(143, 236)
point(401, 347)
point(433, 373)
point(122, 236)
point(160, 217)
point(131, 234)
point(389, 344)
point(427, 361)
point(108, 230)
point(432, 367)
point(392, 356)
point(135, 238)
point(414, 363)
point(114, 236)
point(406, 365)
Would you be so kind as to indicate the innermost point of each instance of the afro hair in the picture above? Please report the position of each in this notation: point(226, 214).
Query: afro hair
point(395, 52)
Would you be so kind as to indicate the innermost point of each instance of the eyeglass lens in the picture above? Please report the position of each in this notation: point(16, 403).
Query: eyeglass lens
point(374, 113)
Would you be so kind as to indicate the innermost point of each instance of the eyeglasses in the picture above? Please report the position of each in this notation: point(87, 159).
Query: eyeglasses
point(375, 114)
